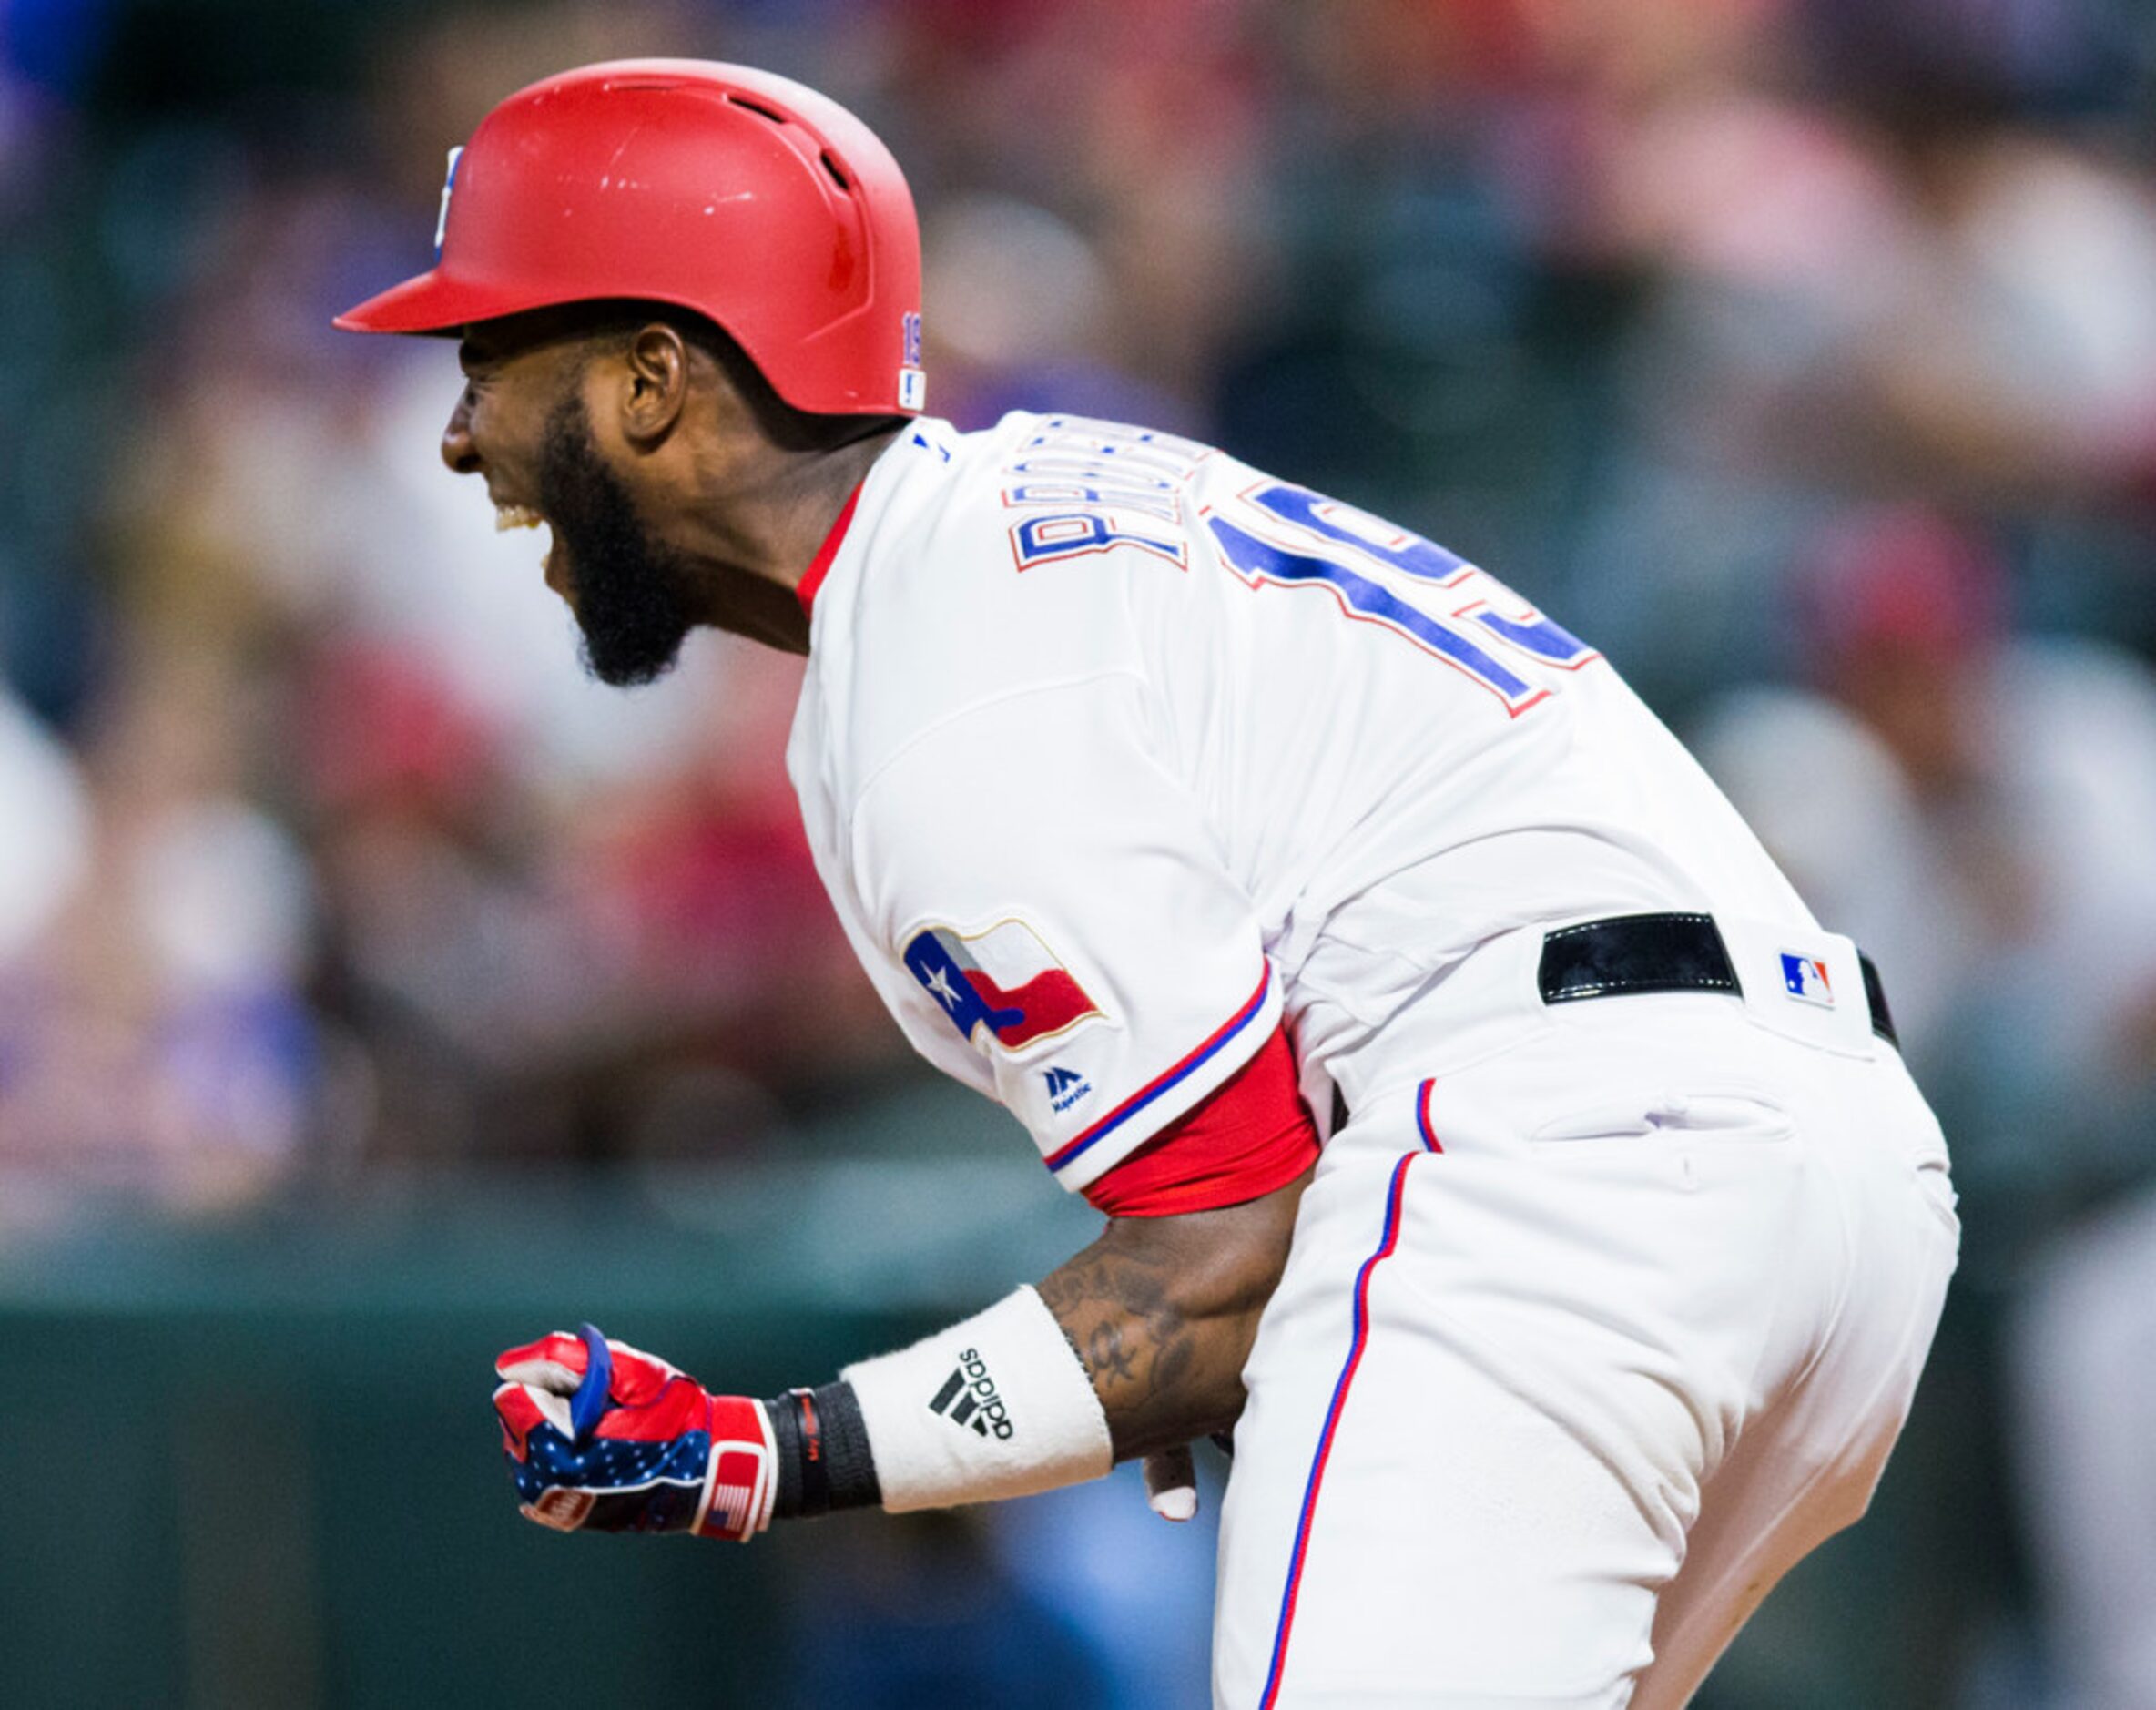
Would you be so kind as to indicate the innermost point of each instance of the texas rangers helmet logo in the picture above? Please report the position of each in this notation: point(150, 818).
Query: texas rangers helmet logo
point(449, 184)
point(1004, 980)
point(1805, 977)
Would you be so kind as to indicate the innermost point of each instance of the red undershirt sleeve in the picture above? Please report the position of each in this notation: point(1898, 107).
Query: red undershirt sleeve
point(1253, 1134)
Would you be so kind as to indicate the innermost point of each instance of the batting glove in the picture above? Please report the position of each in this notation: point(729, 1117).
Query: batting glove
point(604, 1436)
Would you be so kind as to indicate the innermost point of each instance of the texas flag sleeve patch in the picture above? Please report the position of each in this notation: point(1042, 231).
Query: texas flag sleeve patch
point(1004, 980)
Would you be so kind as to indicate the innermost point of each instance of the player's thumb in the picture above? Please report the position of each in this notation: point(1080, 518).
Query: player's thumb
point(555, 1363)
point(1172, 1483)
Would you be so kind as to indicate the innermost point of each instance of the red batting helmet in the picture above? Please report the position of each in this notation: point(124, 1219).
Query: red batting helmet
point(746, 196)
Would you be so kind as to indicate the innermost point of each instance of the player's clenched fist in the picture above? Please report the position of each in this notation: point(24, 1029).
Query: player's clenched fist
point(603, 1437)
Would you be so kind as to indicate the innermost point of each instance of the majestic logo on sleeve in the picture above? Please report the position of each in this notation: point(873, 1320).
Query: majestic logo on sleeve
point(1004, 980)
point(1065, 1087)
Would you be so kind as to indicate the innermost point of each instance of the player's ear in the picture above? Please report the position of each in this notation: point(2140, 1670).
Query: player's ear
point(655, 383)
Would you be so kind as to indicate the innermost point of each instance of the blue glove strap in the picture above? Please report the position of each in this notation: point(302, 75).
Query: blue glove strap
point(589, 1402)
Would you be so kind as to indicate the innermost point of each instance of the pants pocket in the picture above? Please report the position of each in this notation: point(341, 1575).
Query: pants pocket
point(1937, 1188)
point(1737, 1113)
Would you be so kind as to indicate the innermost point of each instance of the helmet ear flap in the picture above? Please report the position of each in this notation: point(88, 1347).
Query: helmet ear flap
point(763, 206)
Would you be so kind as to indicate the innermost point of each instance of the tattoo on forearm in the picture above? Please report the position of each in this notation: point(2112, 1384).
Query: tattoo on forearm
point(1106, 1358)
point(1147, 1360)
point(1162, 1312)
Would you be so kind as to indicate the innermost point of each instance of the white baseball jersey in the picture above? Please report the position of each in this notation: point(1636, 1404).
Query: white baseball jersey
point(1113, 751)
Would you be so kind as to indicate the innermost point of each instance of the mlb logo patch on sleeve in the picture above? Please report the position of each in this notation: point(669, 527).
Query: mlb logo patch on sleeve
point(1004, 980)
point(1805, 977)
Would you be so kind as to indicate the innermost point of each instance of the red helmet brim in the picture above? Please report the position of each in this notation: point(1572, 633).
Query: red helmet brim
point(434, 302)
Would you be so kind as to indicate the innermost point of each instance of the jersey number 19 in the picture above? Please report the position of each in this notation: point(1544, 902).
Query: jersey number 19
point(1465, 616)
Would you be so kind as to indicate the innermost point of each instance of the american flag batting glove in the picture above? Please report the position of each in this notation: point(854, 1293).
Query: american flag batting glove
point(602, 1436)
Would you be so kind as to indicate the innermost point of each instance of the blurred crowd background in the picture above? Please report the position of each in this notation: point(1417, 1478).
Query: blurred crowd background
point(1799, 353)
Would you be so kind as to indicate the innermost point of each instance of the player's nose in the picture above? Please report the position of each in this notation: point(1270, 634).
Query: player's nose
point(457, 450)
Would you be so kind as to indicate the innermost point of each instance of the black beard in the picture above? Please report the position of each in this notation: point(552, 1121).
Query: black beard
point(631, 593)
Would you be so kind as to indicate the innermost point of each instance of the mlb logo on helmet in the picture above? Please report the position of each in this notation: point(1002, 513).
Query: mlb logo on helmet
point(913, 383)
point(1004, 980)
point(1805, 977)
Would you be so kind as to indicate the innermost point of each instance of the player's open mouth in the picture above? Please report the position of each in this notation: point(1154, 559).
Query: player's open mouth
point(509, 516)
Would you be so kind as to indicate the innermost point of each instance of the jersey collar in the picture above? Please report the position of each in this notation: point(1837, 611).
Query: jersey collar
point(820, 566)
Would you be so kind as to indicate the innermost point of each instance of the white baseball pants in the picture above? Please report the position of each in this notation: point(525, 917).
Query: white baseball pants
point(1582, 1345)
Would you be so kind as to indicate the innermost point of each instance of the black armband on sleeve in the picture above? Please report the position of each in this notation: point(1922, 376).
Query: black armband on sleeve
point(824, 1463)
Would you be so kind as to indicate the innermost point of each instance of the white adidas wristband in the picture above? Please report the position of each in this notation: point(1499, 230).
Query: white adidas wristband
point(997, 1405)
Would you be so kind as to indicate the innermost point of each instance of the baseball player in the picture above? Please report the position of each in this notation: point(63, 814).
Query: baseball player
point(1488, 1134)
